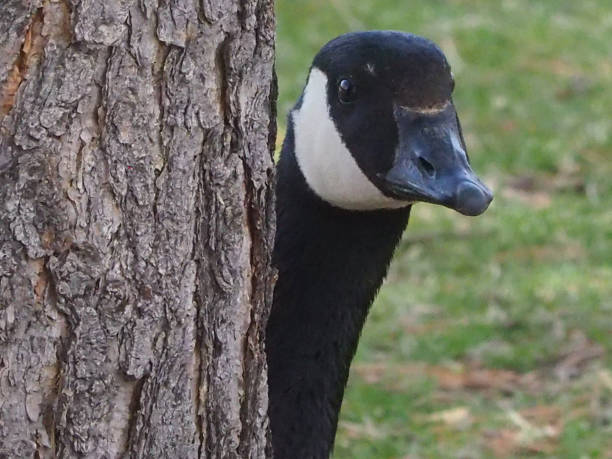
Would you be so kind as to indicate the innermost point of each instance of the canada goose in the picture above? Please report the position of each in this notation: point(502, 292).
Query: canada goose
point(374, 131)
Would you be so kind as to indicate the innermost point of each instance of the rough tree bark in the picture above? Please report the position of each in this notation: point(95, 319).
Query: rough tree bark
point(136, 218)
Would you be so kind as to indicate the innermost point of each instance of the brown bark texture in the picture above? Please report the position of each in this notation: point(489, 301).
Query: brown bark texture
point(136, 222)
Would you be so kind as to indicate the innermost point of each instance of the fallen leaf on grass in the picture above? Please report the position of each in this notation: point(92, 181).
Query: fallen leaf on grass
point(459, 417)
point(374, 373)
point(506, 443)
point(365, 429)
point(534, 199)
point(576, 86)
point(579, 353)
point(569, 251)
point(414, 328)
point(474, 378)
point(530, 431)
point(502, 443)
point(542, 414)
point(605, 376)
point(447, 378)
point(536, 190)
point(555, 66)
point(527, 436)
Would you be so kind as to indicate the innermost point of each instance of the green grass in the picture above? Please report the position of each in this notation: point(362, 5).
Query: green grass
point(522, 294)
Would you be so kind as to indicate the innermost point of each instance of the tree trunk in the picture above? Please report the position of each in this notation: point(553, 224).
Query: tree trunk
point(136, 222)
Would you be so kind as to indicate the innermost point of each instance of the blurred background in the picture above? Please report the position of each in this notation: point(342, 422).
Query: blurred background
point(492, 337)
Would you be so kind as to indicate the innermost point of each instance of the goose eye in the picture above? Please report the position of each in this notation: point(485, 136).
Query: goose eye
point(346, 91)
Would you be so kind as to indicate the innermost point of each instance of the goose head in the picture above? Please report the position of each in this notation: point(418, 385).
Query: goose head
point(376, 128)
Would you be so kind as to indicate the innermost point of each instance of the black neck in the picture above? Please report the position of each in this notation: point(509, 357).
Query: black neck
point(331, 263)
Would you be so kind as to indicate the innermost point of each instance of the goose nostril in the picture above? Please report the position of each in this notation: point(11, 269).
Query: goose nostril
point(426, 167)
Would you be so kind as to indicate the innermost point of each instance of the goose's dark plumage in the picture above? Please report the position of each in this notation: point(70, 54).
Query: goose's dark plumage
point(374, 131)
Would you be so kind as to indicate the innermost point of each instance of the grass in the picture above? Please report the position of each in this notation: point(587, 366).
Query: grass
point(492, 337)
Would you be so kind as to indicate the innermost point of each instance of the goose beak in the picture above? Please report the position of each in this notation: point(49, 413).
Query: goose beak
point(431, 164)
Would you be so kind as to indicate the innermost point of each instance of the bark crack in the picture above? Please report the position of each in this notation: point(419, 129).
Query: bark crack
point(31, 48)
point(199, 339)
point(222, 77)
point(198, 377)
point(134, 411)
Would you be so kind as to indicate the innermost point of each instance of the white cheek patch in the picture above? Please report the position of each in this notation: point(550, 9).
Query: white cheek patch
point(328, 166)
